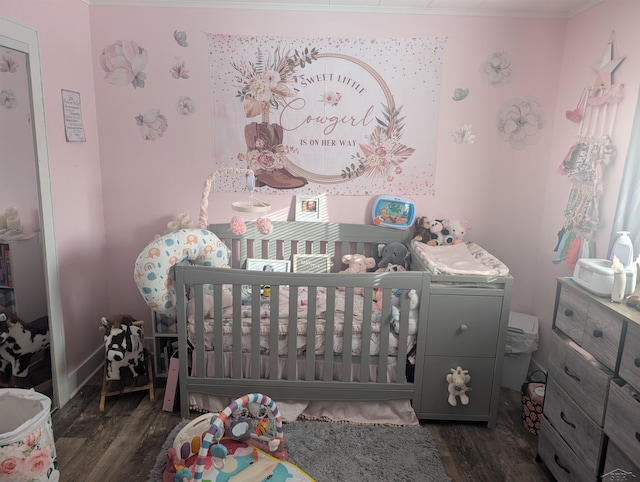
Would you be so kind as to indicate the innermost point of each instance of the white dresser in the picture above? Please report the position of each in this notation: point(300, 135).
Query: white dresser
point(590, 415)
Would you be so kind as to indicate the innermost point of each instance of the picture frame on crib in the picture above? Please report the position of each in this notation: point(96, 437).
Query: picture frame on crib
point(308, 208)
point(279, 265)
point(311, 263)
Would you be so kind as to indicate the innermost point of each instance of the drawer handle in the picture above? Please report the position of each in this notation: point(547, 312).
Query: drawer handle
point(597, 333)
point(568, 372)
point(557, 461)
point(636, 362)
point(568, 312)
point(564, 419)
point(463, 328)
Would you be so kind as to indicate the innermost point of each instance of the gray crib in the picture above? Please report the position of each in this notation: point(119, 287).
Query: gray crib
point(316, 336)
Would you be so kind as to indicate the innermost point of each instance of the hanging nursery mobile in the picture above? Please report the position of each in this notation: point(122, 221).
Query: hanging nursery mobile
point(595, 113)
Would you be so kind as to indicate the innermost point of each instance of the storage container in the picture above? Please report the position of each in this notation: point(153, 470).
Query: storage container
point(522, 340)
point(27, 449)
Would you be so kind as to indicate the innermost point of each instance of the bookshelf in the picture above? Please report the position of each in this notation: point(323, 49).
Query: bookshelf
point(165, 342)
point(22, 280)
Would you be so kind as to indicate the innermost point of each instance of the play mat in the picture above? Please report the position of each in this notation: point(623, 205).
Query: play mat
point(238, 444)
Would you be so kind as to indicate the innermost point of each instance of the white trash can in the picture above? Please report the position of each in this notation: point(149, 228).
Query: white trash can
point(522, 341)
point(27, 449)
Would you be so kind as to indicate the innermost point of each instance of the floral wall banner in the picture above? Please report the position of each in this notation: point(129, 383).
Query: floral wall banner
point(327, 115)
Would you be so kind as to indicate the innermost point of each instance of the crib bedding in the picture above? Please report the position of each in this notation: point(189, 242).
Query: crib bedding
point(459, 259)
point(302, 326)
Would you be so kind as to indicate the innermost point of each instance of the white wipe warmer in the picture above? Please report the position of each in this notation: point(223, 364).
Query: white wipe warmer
point(596, 275)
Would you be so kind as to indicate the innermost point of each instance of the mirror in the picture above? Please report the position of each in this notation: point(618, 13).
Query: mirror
point(27, 187)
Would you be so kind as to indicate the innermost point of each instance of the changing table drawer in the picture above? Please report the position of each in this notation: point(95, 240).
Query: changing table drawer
point(582, 376)
point(622, 423)
point(563, 463)
point(630, 361)
point(434, 398)
point(463, 325)
point(574, 426)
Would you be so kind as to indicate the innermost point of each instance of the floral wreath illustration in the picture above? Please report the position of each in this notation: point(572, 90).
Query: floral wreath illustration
point(266, 87)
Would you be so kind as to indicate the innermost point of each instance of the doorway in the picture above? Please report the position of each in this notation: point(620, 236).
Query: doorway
point(20, 43)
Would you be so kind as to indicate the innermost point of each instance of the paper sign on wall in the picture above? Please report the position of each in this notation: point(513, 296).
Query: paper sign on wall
point(73, 127)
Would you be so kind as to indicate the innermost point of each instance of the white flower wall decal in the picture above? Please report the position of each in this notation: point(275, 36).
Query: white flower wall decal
point(520, 122)
point(123, 62)
point(497, 69)
point(152, 124)
point(8, 64)
point(8, 99)
point(185, 106)
point(463, 135)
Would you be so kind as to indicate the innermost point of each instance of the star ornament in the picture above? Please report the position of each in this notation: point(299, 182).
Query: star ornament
point(604, 69)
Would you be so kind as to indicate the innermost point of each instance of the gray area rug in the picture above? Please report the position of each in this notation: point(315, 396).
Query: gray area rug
point(341, 452)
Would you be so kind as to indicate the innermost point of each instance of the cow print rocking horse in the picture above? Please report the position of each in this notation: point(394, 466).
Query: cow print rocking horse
point(127, 365)
point(19, 342)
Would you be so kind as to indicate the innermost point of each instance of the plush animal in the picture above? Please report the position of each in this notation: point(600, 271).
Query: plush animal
point(457, 229)
point(394, 254)
point(124, 347)
point(19, 341)
point(357, 263)
point(458, 379)
point(421, 230)
point(414, 302)
point(207, 303)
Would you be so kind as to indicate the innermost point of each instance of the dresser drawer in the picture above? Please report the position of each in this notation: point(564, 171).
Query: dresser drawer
point(582, 376)
point(622, 423)
point(463, 325)
point(571, 314)
point(563, 463)
point(602, 333)
point(617, 466)
point(574, 426)
point(630, 361)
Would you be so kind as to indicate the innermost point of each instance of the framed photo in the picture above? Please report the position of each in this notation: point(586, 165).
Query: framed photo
point(311, 263)
point(280, 265)
point(308, 208)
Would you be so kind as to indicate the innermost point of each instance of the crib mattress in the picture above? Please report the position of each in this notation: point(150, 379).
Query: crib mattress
point(461, 259)
point(302, 328)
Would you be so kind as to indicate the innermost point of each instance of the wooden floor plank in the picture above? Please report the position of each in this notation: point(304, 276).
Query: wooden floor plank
point(125, 439)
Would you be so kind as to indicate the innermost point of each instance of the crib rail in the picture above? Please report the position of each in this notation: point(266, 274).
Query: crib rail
point(303, 237)
point(308, 375)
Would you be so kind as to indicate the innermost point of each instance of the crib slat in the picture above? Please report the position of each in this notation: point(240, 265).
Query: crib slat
point(274, 333)
point(383, 347)
point(365, 334)
point(329, 329)
point(236, 331)
point(311, 333)
point(255, 333)
point(347, 337)
point(292, 330)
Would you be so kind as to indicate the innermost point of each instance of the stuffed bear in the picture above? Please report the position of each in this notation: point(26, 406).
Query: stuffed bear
point(457, 229)
point(458, 379)
point(394, 254)
point(207, 303)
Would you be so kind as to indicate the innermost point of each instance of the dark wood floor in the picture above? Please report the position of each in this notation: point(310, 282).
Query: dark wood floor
point(122, 442)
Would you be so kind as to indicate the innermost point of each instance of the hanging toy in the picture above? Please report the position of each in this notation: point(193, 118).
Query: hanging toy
point(254, 205)
point(458, 379)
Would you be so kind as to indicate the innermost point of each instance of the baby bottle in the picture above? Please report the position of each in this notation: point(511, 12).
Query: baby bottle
point(619, 281)
point(623, 249)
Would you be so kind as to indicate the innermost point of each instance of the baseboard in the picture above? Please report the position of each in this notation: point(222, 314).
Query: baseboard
point(79, 378)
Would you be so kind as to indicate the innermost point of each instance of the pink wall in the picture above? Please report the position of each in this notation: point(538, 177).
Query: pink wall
point(124, 189)
point(586, 38)
point(63, 29)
